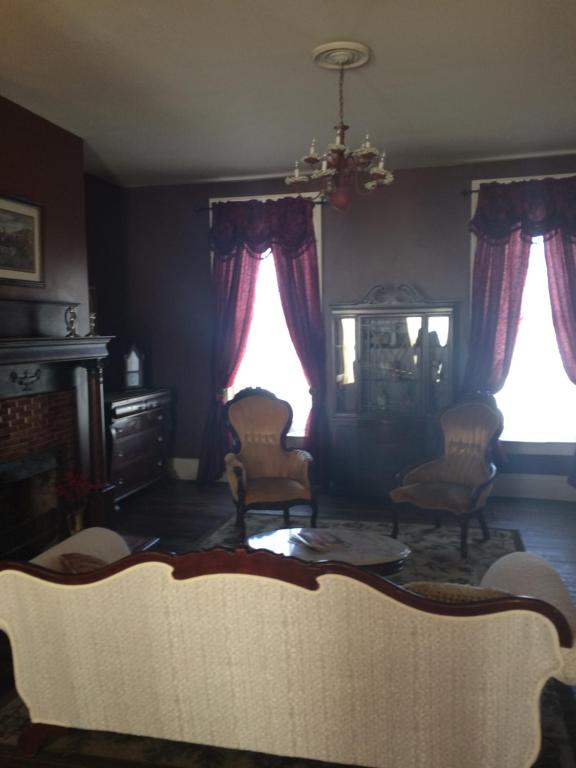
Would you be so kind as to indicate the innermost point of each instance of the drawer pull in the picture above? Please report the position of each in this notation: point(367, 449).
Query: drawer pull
point(120, 481)
point(160, 439)
point(120, 455)
point(160, 417)
point(159, 463)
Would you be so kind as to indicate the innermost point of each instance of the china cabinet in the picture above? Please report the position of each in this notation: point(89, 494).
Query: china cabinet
point(392, 372)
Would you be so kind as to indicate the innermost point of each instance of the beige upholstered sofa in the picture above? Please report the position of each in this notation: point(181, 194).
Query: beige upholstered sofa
point(255, 651)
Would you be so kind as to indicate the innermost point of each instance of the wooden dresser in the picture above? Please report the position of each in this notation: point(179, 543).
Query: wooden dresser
point(138, 425)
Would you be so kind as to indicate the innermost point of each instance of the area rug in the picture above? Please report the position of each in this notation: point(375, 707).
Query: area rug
point(81, 749)
point(435, 551)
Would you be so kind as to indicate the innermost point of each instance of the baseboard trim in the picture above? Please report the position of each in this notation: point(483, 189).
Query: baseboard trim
point(187, 469)
point(546, 487)
point(184, 469)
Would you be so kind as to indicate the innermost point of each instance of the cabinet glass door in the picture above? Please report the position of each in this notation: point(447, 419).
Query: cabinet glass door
point(346, 366)
point(390, 363)
point(439, 374)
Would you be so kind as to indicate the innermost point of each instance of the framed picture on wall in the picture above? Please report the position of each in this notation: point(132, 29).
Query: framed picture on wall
point(20, 243)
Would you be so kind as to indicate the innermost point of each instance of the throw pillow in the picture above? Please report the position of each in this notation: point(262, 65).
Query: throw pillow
point(78, 562)
point(445, 592)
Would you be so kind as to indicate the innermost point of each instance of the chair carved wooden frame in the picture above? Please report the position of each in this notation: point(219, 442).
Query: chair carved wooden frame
point(460, 480)
point(262, 472)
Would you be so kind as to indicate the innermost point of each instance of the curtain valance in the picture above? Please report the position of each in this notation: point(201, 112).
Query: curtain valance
point(537, 207)
point(256, 225)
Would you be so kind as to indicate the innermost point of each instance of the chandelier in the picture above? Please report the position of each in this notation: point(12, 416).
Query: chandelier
point(341, 169)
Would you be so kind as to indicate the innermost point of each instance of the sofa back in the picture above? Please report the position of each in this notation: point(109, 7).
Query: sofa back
point(254, 651)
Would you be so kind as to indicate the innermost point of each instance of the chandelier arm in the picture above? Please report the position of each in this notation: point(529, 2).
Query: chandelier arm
point(341, 94)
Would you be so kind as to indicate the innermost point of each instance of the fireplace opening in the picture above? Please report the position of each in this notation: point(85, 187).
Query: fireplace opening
point(30, 520)
point(38, 444)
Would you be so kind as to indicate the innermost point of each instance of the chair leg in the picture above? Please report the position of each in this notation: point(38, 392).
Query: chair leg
point(286, 513)
point(314, 516)
point(464, 522)
point(483, 526)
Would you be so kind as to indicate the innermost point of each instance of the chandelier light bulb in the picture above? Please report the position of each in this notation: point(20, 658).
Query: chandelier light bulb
point(297, 177)
point(312, 158)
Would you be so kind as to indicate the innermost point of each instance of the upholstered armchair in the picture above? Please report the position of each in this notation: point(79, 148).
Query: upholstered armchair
point(460, 480)
point(262, 473)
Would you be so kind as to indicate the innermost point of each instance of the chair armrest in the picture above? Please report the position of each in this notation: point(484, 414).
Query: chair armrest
point(298, 463)
point(479, 489)
point(98, 542)
point(523, 573)
point(422, 473)
point(236, 475)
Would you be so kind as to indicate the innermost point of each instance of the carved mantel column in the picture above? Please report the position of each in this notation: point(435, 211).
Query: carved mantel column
point(98, 465)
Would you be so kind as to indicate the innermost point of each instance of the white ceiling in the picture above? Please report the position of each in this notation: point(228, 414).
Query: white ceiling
point(167, 91)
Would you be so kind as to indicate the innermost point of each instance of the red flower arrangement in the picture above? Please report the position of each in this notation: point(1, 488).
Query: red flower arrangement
point(73, 492)
point(74, 488)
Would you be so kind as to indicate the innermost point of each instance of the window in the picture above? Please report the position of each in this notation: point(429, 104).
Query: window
point(270, 360)
point(538, 399)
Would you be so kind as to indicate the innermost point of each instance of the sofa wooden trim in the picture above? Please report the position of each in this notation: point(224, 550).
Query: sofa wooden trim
point(299, 573)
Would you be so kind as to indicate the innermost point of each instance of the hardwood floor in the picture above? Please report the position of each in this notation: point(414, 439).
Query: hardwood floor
point(180, 512)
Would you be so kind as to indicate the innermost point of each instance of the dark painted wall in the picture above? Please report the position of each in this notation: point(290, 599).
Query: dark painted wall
point(109, 295)
point(415, 231)
point(44, 164)
point(168, 274)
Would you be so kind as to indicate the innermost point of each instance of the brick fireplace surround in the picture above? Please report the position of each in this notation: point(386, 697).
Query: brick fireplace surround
point(51, 421)
point(36, 423)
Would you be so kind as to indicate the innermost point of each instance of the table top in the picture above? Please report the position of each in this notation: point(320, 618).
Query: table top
point(345, 545)
point(140, 543)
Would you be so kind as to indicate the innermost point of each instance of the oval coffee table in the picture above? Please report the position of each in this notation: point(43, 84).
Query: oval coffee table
point(372, 550)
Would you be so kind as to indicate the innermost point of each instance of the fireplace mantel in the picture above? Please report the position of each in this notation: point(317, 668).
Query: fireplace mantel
point(53, 350)
point(41, 364)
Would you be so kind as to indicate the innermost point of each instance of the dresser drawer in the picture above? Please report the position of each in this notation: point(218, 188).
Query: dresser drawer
point(138, 423)
point(137, 474)
point(136, 447)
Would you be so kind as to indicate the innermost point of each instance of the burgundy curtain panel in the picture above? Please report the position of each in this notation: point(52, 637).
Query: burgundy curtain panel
point(497, 285)
point(234, 283)
point(298, 282)
point(508, 216)
point(241, 232)
point(560, 250)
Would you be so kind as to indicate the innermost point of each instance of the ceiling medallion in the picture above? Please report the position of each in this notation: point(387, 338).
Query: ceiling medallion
point(341, 169)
